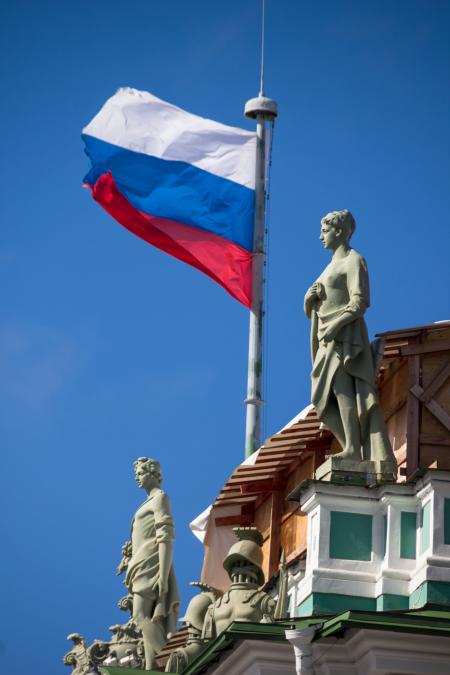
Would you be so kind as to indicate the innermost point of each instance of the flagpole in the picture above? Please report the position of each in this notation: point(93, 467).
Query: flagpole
point(263, 110)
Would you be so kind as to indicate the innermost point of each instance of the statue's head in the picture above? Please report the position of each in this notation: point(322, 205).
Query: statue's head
point(337, 228)
point(245, 558)
point(147, 471)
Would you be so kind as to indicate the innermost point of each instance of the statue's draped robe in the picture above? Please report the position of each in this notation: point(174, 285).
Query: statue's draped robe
point(152, 525)
point(345, 289)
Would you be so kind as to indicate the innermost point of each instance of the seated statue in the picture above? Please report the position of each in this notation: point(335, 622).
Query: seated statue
point(209, 614)
point(243, 601)
point(194, 620)
point(343, 374)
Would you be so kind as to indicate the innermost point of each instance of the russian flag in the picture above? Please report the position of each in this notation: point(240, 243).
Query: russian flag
point(181, 182)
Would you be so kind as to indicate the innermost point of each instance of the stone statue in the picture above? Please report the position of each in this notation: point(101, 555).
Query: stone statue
point(147, 561)
point(343, 375)
point(194, 620)
point(126, 556)
point(125, 648)
point(78, 656)
point(243, 601)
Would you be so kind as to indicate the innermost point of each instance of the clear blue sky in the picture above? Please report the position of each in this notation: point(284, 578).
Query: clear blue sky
point(111, 349)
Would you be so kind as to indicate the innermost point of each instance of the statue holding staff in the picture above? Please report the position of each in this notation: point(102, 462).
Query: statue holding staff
point(343, 374)
point(147, 560)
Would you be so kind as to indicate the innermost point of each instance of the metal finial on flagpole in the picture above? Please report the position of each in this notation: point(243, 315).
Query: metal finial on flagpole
point(263, 110)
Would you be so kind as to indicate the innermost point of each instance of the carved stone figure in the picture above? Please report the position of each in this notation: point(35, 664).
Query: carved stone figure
point(125, 649)
point(126, 556)
point(243, 601)
point(150, 577)
point(194, 619)
point(125, 604)
point(343, 375)
point(98, 653)
point(152, 598)
point(78, 656)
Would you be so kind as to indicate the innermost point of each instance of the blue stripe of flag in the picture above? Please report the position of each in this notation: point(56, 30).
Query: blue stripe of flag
point(176, 190)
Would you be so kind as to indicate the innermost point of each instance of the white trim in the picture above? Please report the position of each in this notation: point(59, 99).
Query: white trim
point(302, 415)
point(256, 657)
point(382, 652)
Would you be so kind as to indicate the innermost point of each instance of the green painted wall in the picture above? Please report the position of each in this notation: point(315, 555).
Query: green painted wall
point(425, 534)
point(389, 601)
point(305, 608)
point(332, 603)
point(350, 536)
point(408, 523)
point(431, 593)
point(446, 521)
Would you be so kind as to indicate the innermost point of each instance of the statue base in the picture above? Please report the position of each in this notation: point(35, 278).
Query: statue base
point(341, 470)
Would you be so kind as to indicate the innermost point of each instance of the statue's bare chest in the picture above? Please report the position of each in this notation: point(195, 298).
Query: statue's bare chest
point(237, 605)
point(334, 275)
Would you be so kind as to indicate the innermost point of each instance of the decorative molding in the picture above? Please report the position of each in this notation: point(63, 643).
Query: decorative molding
point(257, 657)
point(386, 576)
point(381, 653)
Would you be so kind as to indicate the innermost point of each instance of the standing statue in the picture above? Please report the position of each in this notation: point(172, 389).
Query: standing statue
point(147, 561)
point(343, 374)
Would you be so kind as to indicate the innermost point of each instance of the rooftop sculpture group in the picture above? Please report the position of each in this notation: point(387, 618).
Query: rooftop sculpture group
point(152, 598)
point(344, 396)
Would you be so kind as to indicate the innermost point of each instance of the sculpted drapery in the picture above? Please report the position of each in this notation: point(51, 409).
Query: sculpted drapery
point(151, 526)
point(343, 377)
point(147, 561)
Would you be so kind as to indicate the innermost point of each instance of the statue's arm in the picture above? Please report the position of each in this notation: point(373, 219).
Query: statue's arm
point(164, 537)
point(335, 326)
point(165, 550)
point(126, 557)
point(358, 288)
point(358, 291)
point(313, 294)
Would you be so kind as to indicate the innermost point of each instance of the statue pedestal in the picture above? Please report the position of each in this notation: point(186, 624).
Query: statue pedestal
point(340, 470)
point(380, 547)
